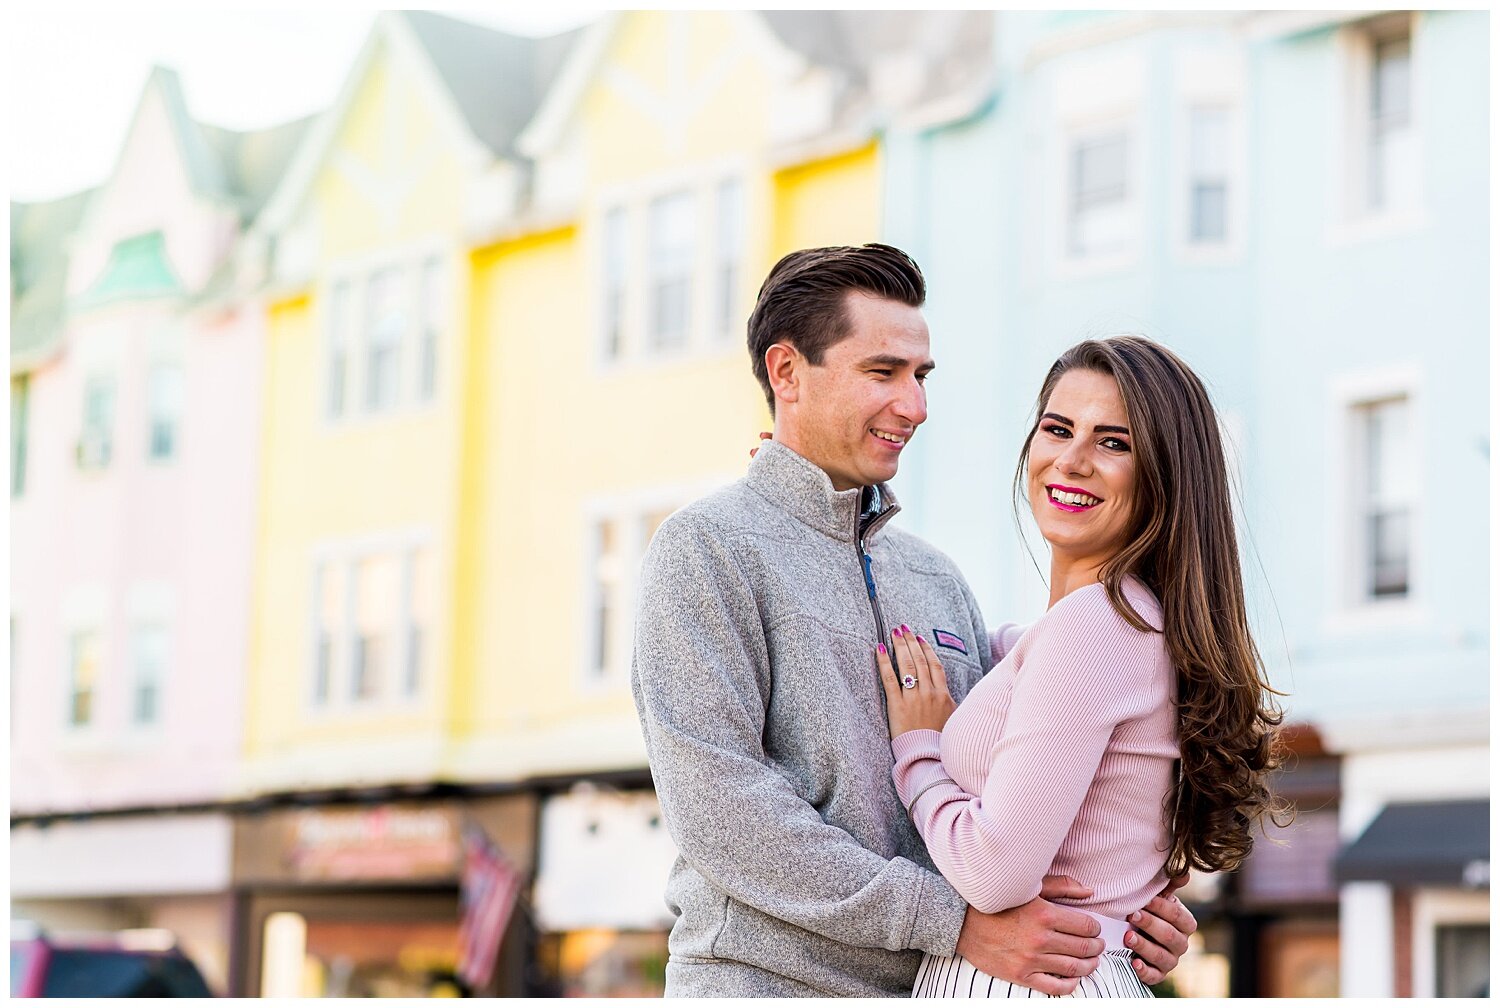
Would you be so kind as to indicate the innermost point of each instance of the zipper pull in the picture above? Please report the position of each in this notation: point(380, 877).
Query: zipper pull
point(869, 575)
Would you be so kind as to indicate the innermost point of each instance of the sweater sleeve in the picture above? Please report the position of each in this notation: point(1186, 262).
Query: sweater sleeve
point(1002, 639)
point(701, 678)
point(1084, 673)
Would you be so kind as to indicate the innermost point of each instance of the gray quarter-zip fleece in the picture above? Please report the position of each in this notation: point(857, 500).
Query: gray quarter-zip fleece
point(754, 677)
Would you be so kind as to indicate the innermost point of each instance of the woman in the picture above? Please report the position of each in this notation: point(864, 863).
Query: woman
point(1061, 761)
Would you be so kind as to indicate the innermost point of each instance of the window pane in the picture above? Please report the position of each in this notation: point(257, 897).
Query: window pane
point(83, 676)
point(166, 394)
point(98, 421)
point(151, 646)
point(339, 320)
point(1463, 960)
point(377, 596)
point(430, 311)
point(328, 597)
point(385, 324)
point(671, 270)
point(1210, 209)
point(1099, 220)
point(422, 605)
point(1393, 155)
point(731, 240)
point(1209, 170)
point(20, 390)
point(606, 591)
point(614, 283)
point(1387, 488)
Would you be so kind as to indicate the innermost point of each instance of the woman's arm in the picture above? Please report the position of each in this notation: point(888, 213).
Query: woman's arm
point(1084, 672)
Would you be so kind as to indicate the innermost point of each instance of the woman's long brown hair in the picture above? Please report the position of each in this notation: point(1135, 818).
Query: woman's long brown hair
point(1182, 546)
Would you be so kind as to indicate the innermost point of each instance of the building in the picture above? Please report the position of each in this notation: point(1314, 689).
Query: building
point(136, 362)
point(1296, 204)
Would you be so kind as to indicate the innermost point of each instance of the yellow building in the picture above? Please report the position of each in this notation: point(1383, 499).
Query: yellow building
point(352, 698)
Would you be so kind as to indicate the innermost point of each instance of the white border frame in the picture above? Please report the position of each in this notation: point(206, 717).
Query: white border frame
point(1346, 611)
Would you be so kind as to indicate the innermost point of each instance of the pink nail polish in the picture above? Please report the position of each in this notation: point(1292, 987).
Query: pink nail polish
point(896, 632)
point(905, 629)
point(920, 640)
point(882, 648)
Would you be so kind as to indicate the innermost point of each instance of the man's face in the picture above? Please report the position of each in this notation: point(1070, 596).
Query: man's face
point(857, 410)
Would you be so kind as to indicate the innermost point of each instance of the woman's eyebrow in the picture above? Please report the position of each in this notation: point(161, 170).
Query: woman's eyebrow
point(1058, 417)
point(1106, 428)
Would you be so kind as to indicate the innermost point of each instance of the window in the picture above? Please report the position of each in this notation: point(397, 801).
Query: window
point(1392, 150)
point(384, 336)
point(385, 324)
point(1098, 195)
point(429, 321)
point(728, 258)
point(613, 336)
point(83, 676)
point(1208, 145)
point(98, 421)
point(608, 586)
point(618, 542)
point(670, 264)
point(20, 390)
point(671, 270)
point(1385, 494)
point(150, 660)
point(1463, 960)
point(337, 350)
point(373, 612)
point(164, 398)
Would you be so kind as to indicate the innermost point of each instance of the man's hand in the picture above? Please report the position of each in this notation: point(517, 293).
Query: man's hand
point(1165, 925)
point(1038, 945)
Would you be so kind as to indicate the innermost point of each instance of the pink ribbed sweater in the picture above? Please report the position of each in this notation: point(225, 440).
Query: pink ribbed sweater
point(1059, 761)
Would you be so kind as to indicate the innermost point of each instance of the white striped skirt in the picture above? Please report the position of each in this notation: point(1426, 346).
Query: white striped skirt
point(956, 977)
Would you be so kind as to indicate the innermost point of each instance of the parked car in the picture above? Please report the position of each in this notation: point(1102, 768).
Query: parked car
point(118, 964)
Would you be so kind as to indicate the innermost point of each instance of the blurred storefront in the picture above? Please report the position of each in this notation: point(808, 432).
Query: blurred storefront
point(600, 911)
point(362, 900)
point(113, 872)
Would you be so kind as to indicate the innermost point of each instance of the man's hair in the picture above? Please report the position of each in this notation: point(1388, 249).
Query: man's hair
point(803, 299)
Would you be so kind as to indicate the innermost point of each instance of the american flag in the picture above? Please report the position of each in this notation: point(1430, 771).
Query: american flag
point(490, 887)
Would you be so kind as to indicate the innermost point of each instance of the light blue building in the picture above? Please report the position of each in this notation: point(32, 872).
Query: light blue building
point(1298, 204)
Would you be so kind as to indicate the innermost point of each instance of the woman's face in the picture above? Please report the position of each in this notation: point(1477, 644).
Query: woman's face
point(1081, 472)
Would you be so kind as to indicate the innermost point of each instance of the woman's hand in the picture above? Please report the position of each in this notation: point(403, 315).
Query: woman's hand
point(916, 696)
point(765, 435)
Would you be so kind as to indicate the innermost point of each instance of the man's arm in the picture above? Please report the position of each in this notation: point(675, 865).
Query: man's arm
point(701, 677)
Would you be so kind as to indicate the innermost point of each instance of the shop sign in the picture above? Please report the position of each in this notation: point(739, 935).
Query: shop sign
point(385, 842)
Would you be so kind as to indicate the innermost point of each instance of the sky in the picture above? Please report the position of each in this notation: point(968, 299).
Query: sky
point(73, 76)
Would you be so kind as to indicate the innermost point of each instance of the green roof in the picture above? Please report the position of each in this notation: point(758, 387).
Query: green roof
point(137, 269)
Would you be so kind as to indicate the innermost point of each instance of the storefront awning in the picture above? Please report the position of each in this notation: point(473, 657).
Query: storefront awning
point(1427, 843)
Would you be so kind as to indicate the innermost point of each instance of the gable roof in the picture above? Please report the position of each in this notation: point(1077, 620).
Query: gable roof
point(951, 52)
point(239, 168)
point(496, 79)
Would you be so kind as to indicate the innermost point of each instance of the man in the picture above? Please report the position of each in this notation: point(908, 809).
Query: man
point(764, 719)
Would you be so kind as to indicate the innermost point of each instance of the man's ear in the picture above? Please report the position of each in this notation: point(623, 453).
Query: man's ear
point(784, 366)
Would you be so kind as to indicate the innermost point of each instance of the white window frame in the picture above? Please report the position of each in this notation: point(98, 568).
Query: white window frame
point(1354, 219)
point(1201, 78)
point(1094, 95)
point(630, 510)
point(633, 200)
point(393, 696)
point(410, 261)
point(150, 604)
point(85, 608)
point(1349, 610)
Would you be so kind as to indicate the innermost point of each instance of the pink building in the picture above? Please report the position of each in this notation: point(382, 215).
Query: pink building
point(136, 396)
